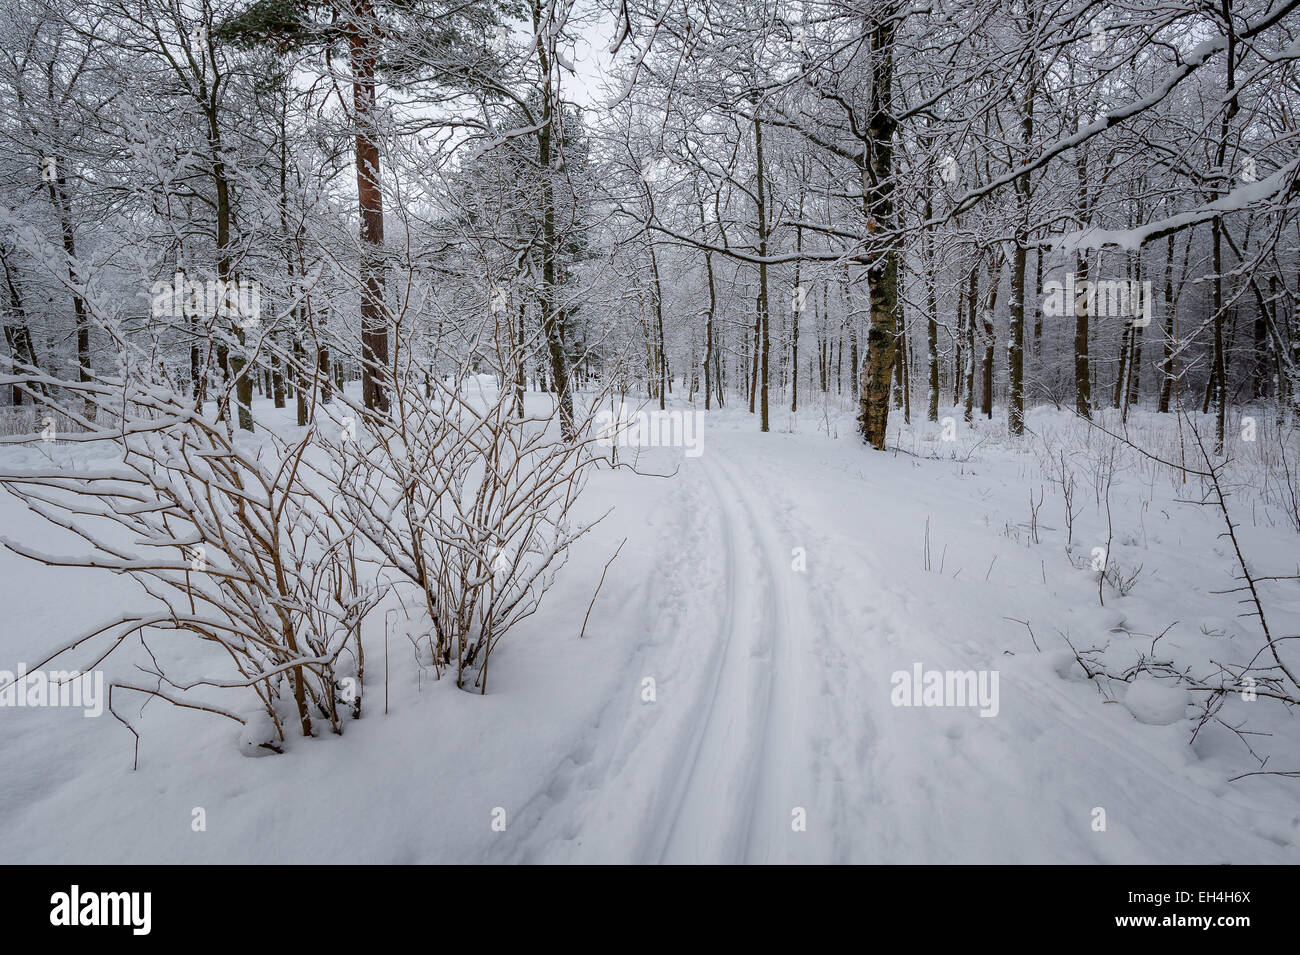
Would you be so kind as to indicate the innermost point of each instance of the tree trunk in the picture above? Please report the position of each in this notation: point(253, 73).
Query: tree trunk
point(662, 370)
point(300, 376)
point(931, 321)
point(763, 301)
point(797, 302)
point(362, 39)
point(17, 333)
point(972, 305)
point(277, 380)
point(882, 274)
point(708, 332)
point(552, 316)
point(521, 380)
point(1019, 267)
point(1170, 330)
point(62, 203)
point(1082, 374)
point(1121, 373)
point(990, 340)
point(959, 343)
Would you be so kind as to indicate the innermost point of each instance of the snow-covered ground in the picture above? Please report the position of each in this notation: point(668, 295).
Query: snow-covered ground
point(732, 699)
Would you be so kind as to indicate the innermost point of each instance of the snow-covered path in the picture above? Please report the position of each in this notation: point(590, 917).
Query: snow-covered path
point(749, 747)
point(772, 697)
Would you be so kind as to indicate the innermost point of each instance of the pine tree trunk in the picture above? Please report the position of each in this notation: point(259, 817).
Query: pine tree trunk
point(361, 34)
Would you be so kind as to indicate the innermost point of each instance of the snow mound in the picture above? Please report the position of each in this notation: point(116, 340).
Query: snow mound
point(1157, 702)
point(258, 737)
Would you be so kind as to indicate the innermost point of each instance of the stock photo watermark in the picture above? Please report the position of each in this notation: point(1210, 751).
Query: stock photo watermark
point(1108, 298)
point(652, 429)
point(946, 688)
point(66, 688)
point(183, 297)
point(76, 908)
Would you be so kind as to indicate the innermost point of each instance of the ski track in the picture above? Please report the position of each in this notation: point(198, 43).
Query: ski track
point(714, 770)
point(724, 799)
point(773, 694)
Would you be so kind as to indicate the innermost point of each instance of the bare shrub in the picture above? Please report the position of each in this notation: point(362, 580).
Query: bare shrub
point(467, 499)
point(231, 545)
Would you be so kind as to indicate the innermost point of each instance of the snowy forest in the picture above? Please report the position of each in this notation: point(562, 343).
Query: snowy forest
point(644, 431)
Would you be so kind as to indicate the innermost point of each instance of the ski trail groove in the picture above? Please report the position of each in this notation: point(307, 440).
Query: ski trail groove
point(713, 798)
point(750, 758)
